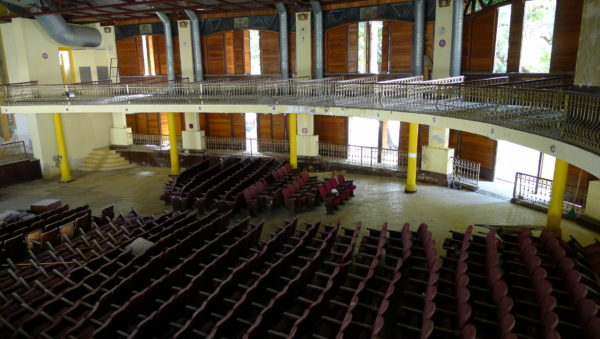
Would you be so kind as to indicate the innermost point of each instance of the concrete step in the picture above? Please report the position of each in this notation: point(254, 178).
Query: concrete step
point(104, 160)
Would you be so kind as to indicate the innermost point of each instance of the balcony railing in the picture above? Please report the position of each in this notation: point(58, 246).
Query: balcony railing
point(465, 173)
point(13, 151)
point(365, 156)
point(536, 191)
point(571, 117)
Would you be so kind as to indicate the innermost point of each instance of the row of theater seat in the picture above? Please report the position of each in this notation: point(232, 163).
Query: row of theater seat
point(208, 275)
point(343, 190)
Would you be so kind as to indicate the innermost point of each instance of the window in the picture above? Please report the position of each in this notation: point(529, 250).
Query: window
point(538, 29)
point(502, 33)
point(255, 67)
point(363, 131)
point(370, 41)
point(148, 53)
point(393, 135)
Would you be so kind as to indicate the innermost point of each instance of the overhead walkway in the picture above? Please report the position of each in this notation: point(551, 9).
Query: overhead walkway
point(572, 118)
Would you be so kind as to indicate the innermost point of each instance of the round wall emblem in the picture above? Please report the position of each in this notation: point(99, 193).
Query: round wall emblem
point(304, 130)
point(44, 55)
point(191, 126)
point(442, 43)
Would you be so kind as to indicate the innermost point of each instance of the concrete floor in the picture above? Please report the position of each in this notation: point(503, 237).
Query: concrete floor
point(377, 200)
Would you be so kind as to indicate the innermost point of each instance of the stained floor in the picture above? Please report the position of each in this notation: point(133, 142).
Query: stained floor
point(377, 200)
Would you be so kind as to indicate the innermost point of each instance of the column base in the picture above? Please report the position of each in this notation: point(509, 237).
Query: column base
point(193, 140)
point(437, 160)
point(308, 145)
point(410, 190)
point(121, 136)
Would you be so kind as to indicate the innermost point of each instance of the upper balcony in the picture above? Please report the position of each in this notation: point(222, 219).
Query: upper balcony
point(570, 117)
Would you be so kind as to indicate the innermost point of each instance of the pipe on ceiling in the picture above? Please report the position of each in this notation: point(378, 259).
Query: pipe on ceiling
point(283, 40)
point(196, 45)
point(69, 35)
point(168, 45)
point(419, 37)
point(318, 13)
point(457, 35)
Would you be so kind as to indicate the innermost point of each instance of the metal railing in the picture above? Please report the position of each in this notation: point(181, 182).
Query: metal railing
point(248, 146)
point(365, 156)
point(536, 191)
point(465, 173)
point(571, 117)
point(153, 141)
point(13, 151)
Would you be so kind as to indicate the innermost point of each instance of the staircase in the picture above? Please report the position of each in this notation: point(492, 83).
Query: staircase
point(104, 159)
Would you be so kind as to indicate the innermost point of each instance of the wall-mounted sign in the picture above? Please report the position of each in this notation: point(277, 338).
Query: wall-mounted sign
point(304, 130)
point(442, 43)
point(191, 126)
point(44, 55)
point(444, 3)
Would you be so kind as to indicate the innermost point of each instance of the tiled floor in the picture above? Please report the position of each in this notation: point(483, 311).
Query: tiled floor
point(377, 200)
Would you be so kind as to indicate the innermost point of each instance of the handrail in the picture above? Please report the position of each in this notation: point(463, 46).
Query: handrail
point(571, 117)
point(536, 191)
point(13, 151)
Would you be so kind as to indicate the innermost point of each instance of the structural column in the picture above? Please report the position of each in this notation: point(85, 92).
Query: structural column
point(173, 144)
point(436, 155)
point(306, 142)
point(65, 168)
point(411, 174)
point(120, 134)
point(559, 185)
point(293, 143)
point(191, 68)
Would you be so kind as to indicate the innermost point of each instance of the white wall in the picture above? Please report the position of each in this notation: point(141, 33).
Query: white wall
point(31, 55)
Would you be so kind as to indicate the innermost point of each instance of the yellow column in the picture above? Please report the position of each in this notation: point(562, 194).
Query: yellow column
point(411, 174)
point(173, 144)
point(559, 184)
point(293, 143)
point(65, 169)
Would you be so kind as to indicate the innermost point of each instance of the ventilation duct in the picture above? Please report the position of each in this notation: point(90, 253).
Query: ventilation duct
point(283, 40)
point(457, 36)
point(196, 45)
point(419, 37)
point(69, 35)
point(56, 26)
point(318, 12)
point(168, 45)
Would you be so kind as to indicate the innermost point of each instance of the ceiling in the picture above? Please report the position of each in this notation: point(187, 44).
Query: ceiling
point(86, 11)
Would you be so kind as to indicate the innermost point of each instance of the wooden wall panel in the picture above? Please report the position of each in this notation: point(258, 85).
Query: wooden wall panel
point(565, 42)
point(225, 125)
point(238, 52)
point(265, 129)
point(154, 125)
point(336, 51)
point(272, 126)
point(131, 122)
point(466, 52)
point(141, 121)
point(129, 52)
point(213, 47)
point(482, 41)
point(279, 127)
point(160, 53)
point(229, 61)
point(332, 129)
point(401, 38)
point(477, 148)
point(515, 35)
point(269, 52)
point(352, 48)
point(238, 125)
point(218, 125)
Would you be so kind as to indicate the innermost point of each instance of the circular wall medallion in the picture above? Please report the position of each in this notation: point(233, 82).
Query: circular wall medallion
point(45, 55)
point(304, 130)
point(191, 126)
point(442, 43)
